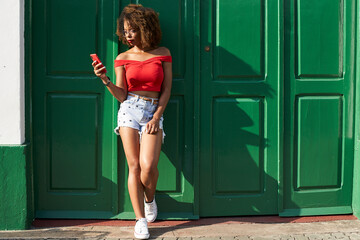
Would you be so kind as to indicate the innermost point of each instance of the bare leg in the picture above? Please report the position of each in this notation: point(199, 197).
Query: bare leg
point(150, 148)
point(130, 140)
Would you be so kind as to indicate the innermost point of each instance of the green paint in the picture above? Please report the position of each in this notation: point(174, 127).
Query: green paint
point(313, 113)
point(356, 181)
point(77, 163)
point(189, 184)
point(318, 107)
point(316, 211)
point(73, 113)
point(239, 106)
point(16, 206)
point(319, 31)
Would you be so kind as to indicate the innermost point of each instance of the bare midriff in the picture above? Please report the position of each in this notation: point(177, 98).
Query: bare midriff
point(150, 94)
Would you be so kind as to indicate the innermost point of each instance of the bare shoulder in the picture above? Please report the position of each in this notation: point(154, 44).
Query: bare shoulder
point(123, 56)
point(163, 51)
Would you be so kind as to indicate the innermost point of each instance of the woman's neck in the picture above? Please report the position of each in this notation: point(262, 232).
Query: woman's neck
point(139, 49)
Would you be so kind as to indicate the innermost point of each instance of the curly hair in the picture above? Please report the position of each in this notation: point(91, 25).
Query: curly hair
point(140, 18)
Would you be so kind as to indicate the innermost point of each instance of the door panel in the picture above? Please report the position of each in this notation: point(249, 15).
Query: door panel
point(239, 107)
point(318, 150)
point(65, 163)
point(319, 121)
point(62, 33)
point(229, 30)
point(319, 36)
point(172, 155)
point(230, 172)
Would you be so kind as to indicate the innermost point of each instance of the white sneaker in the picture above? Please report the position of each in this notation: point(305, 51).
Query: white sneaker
point(151, 211)
point(141, 229)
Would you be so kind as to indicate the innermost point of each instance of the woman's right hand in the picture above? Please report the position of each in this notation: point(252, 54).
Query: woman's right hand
point(99, 70)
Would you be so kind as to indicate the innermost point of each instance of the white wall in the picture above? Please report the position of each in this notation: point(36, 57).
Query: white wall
point(12, 99)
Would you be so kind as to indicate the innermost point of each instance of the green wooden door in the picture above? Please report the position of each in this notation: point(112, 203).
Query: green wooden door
point(318, 141)
point(80, 168)
point(73, 148)
point(239, 107)
point(175, 190)
point(259, 122)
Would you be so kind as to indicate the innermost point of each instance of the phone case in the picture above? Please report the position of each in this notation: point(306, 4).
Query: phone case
point(94, 57)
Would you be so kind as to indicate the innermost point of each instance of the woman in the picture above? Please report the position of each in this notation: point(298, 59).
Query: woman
point(143, 86)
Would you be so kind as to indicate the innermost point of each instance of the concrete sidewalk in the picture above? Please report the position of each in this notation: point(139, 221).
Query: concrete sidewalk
point(256, 228)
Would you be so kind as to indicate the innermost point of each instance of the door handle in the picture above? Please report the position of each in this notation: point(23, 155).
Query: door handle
point(207, 48)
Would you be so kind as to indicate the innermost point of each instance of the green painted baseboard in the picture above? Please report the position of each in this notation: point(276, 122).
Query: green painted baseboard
point(316, 211)
point(16, 191)
point(109, 215)
point(55, 214)
point(161, 216)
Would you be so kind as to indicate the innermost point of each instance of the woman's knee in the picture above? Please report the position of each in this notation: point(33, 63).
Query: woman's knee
point(134, 167)
point(149, 167)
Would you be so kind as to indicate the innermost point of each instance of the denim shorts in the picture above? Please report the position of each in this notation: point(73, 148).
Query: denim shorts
point(135, 113)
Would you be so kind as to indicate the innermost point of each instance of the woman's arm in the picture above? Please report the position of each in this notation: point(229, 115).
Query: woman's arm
point(119, 91)
point(165, 90)
point(153, 125)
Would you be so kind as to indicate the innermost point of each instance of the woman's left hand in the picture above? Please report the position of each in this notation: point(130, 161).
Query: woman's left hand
point(152, 126)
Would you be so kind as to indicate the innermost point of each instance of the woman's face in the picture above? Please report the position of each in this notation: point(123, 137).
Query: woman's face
point(132, 35)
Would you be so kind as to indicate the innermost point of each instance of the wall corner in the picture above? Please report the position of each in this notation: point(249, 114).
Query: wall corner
point(16, 187)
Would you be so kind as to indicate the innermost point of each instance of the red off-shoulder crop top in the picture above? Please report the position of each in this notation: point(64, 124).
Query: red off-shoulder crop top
point(145, 75)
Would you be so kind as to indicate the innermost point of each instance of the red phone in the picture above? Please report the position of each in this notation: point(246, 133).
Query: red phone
point(95, 57)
